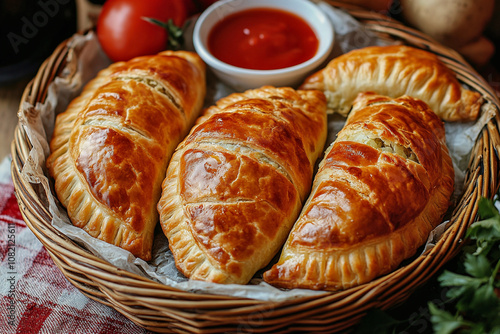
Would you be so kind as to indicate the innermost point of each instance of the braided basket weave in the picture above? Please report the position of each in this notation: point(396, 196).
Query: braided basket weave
point(161, 308)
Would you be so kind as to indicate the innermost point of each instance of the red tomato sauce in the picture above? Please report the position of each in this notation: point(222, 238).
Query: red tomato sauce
point(262, 39)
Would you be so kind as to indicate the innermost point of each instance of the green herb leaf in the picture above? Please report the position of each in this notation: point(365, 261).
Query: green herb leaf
point(488, 229)
point(448, 278)
point(478, 266)
point(474, 328)
point(474, 290)
point(487, 209)
point(486, 232)
point(485, 302)
point(443, 321)
point(495, 330)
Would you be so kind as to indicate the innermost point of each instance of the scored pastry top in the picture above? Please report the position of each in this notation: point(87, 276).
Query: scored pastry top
point(382, 186)
point(394, 71)
point(237, 183)
point(110, 148)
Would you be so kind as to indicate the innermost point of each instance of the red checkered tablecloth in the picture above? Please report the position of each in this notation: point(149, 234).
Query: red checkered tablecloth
point(35, 297)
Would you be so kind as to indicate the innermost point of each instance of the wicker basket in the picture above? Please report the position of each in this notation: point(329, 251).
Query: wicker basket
point(161, 308)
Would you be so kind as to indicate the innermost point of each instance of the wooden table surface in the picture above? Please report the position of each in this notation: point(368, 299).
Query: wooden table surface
point(10, 96)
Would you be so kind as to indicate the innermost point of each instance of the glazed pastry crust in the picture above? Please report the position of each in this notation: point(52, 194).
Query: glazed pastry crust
point(395, 71)
point(111, 147)
point(237, 183)
point(383, 185)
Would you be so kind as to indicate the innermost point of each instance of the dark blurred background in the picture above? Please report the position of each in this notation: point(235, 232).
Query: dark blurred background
point(29, 32)
point(31, 29)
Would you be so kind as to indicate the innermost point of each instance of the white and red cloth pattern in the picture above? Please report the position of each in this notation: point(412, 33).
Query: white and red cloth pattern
point(35, 297)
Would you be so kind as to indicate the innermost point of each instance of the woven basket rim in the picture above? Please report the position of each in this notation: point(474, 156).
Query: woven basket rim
point(162, 308)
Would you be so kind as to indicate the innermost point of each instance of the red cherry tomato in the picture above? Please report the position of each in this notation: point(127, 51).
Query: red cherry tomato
point(124, 33)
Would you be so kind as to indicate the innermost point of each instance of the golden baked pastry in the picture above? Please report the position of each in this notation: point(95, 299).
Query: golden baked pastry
point(236, 184)
point(395, 71)
point(111, 147)
point(383, 185)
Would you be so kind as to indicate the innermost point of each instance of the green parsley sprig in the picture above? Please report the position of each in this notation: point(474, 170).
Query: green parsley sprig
point(474, 291)
point(472, 303)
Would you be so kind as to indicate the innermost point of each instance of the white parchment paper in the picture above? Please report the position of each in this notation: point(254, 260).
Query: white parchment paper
point(87, 59)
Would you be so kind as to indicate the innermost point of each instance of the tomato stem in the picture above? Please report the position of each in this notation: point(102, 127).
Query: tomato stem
point(175, 33)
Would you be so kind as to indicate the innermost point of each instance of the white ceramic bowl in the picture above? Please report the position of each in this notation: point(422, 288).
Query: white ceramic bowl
point(241, 78)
